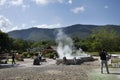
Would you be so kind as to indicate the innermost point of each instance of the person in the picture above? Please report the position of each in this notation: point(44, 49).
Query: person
point(103, 56)
point(40, 57)
point(75, 60)
point(13, 58)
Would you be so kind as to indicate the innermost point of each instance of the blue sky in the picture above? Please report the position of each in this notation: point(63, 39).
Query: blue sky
point(23, 14)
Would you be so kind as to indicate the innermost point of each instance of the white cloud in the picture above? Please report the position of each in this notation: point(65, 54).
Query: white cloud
point(44, 2)
point(22, 26)
point(2, 2)
point(4, 23)
point(15, 28)
point(10, 3)
point(16, 2)
point(49, 26)
point(78, 9)
point(24, 7)
point(106, 6)
point(25, 26)
point(70, 1)
point(41, 1)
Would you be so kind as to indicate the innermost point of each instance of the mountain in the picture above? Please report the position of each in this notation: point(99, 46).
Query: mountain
point(78, 30)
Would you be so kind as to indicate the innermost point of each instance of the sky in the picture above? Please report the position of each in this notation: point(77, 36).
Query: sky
point(24, 14)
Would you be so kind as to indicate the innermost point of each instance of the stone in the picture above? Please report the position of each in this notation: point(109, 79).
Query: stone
point(74, 61)
point(36, 61)
point(64, 60)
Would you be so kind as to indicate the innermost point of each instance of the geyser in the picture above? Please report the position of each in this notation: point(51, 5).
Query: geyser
point(65, 47)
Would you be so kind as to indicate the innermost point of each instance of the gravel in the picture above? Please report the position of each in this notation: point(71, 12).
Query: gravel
point(48, 72)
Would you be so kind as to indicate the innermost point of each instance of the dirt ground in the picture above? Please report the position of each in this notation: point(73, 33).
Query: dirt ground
point(50, 71)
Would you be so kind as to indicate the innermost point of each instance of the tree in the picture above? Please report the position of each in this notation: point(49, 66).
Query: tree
point(20, 45)
point(5, 42)
point(104, 38)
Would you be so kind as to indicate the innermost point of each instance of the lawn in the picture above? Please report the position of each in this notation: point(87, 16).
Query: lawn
point(97, 53)
point(96, 75)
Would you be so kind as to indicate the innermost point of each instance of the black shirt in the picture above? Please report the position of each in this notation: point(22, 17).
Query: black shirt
point(102, 55)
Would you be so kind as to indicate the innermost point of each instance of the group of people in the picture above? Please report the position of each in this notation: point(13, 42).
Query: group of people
point(39, 57)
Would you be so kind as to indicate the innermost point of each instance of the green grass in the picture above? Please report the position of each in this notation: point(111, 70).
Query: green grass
point(10, 60)
point(93, 53)
point(97, 53)
point(115, 61)
point(96, 75)
point(114, 52)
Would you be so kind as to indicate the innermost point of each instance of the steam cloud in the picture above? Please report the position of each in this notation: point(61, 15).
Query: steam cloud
point(65, 45)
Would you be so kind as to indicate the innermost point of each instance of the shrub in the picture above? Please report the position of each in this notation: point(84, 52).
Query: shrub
point(25, 54)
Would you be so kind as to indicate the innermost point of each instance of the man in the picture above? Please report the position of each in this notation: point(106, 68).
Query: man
point(13, 58)
point(103, 56)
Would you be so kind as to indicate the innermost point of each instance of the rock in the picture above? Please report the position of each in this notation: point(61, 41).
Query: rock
point(74, 61)
point(36, 61)
point(64, 60)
